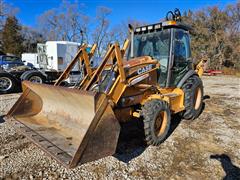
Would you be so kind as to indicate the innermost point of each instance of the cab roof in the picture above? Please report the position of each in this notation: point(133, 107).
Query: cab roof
point(161, 26)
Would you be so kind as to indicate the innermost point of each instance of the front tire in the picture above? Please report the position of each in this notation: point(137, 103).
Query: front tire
point(7, 83)
point(157, 120)
point(193, 98)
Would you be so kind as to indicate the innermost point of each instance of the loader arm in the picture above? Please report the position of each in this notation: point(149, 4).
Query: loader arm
point(113, 55)
point(81, 56)
point(117, 82)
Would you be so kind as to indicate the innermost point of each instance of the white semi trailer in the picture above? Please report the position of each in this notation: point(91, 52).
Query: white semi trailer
point(45, 66)
point(50, 61)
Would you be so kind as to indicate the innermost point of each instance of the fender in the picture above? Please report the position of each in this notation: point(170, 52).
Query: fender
point(43, 73)
point(26, 73)
point(185, 77)
point(10, 74)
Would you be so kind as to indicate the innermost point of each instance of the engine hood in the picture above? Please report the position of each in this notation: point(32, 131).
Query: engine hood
point(139, 65)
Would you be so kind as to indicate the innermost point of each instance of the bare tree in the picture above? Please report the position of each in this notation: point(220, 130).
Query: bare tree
point(5, 11)
point(120, 32)
point(31, 38)
point(100, 33)
point(67, 22)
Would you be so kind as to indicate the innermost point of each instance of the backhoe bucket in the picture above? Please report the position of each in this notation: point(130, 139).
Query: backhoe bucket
point(72, 126)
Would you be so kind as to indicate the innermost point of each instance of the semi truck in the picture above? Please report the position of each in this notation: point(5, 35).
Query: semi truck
point(45, 66)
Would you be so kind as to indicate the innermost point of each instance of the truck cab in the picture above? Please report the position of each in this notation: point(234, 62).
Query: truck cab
point(9, 61)
point(11, 68)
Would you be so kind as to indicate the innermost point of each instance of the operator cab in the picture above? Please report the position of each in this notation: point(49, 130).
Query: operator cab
point(169, 43)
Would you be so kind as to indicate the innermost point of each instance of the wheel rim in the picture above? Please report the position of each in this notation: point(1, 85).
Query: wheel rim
point(5, 83)
point(36, 79)
point(160, 123)
point(198, 97)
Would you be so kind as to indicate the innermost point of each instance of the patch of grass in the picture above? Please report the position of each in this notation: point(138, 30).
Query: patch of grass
point(231, 71)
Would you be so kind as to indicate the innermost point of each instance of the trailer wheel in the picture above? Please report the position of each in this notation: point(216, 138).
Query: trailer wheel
point(193, 98)
point(157, 120)
point(36, 79)
point(7, 83)
point(33, 76)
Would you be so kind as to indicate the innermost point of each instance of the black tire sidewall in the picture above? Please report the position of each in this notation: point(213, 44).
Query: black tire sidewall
point(159, 139)
point(28, 75)
point(190, 112)
point(23, 76)
point(13, 83)
point(151, 109)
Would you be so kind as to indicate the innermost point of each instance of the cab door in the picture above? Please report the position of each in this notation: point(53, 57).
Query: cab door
point(181, 63)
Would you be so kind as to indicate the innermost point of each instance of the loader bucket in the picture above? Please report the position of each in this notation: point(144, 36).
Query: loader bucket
point(70, 125)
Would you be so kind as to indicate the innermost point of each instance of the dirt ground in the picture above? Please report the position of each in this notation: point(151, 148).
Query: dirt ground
point(206, 148)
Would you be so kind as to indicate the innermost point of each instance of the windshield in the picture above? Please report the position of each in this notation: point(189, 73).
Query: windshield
point(11, 59)
point(156, 45)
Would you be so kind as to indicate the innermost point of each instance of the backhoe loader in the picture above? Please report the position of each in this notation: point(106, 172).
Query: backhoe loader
point(156, 80)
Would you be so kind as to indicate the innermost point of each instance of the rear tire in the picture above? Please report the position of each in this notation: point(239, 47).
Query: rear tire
point(33, 76)
point(157, 120)
point(7, 83)
point(193, 98)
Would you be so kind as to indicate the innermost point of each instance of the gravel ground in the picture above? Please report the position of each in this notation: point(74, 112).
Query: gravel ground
point(207, 148)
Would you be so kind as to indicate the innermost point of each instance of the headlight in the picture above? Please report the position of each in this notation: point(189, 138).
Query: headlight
point(5, 66)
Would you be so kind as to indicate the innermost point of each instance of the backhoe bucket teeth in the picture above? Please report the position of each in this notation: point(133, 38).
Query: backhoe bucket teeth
point(72, 126)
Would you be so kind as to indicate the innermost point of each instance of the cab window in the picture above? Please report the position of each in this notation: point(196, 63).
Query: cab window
point(157, 45)
point(181, 49)
point(182, 55)
point(11, 58)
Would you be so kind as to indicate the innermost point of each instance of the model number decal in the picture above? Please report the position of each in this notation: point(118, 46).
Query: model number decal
point(145, 69)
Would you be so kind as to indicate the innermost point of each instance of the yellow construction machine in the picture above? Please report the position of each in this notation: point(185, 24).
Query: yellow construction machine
point(156, 80)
